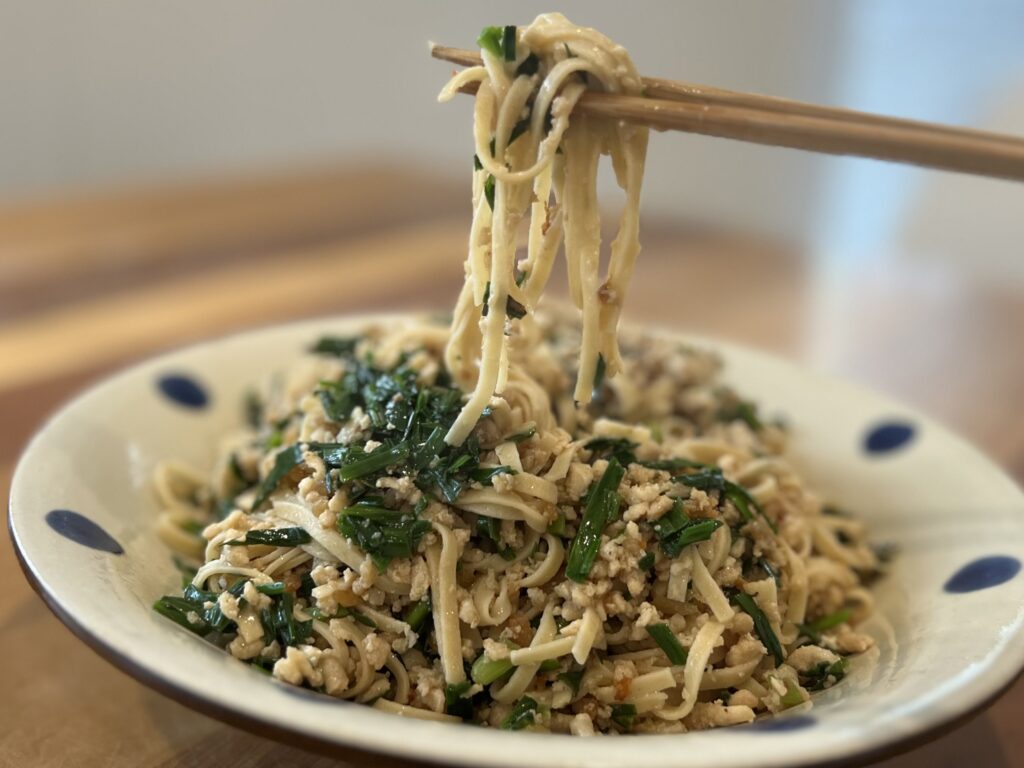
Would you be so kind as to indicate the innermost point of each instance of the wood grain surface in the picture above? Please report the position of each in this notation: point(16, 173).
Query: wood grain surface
point(91, 284)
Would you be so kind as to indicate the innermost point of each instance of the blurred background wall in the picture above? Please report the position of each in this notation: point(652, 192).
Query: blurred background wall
point(102, 93)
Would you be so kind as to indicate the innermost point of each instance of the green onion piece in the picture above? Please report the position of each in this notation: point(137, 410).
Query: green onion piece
point(676, 531)
point(557, 526)
point(824, 675)
point(832, 620)
point(696, 532)
point(668, 642)
point(486, 671)
point(599, 373)
point(490, 40)
point(486, 475)
point(572, 678)
point(624, 715)
point(519, 437)
point(549, 665)
point(455, 702)
point(529, 66)
point(646, 562)
point(284, 462)
point(769, 569)
point(705, 480)
point(601, 505)
point(742, 500)
point(382, 458)
point(674, 465)
point(762, 626)
point(335, 345)
point(417, 614)
point(489, 190)
point(617, 447)
point(523, 714)
point(792, 697)
point(177, 609)
point(275, 537)
point(508, 43)
point(273, 588)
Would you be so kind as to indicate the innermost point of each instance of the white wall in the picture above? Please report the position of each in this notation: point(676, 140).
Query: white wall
point(98, 92)
point(106, 91)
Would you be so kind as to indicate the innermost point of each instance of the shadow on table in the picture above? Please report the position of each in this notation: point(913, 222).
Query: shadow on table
point(974, 744)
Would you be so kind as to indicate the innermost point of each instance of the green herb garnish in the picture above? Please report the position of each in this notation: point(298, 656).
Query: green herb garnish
point(792, 697)
point(624, 715)
point(416, 616)
point(382, 533)
point(508, 43)
point(814, 629)
point(529, 66)
point(486, 671)
point(489, 192)
point(762, 626)
point(817, 678)
point(668, 642)
point(572, 678)
point(336, 345)
point(613, 447)
point(676, 531)
point(602, 504)
point(490, 40)
point(455, 701)
point(284, 462)
point(275, 537)
point(599, 372)
point(523, 714)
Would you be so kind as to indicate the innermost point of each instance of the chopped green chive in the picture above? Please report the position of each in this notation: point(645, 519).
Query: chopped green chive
point(792, 697)
point(508, 43)
point(523, 714)
point(273, 588)
point(572, 678)
point(489, 190)
point(284, 462)
point(416, 615)
point(275, 537)
point(762, 626)
point(675, 531)
point(529, 66)
point(549, 665)
point(823, 675)
point(486, 671)
point(624, 715)
point(455, 702)
point(490, 40)
point(602, 504)
point(668, 642)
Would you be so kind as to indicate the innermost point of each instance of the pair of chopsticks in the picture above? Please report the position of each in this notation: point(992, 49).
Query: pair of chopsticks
point(671, 105)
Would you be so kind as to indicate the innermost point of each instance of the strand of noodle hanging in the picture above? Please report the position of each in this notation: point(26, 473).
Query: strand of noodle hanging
point(441, 562)
point(526, 174)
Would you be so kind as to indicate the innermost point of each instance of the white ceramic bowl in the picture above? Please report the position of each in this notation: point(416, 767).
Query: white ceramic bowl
point(82, 519)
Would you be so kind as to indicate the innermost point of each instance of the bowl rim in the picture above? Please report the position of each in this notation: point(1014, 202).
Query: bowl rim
point(988, 686)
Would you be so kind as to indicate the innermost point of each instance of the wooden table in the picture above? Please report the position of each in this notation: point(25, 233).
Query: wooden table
point(88, 285)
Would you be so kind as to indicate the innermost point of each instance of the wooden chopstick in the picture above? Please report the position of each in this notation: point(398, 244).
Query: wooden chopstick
point(671, 105)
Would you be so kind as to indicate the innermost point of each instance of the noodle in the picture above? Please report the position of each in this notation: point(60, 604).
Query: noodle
point(440, 524)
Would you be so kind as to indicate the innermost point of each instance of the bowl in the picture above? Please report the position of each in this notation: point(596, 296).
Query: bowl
point(950, 618)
